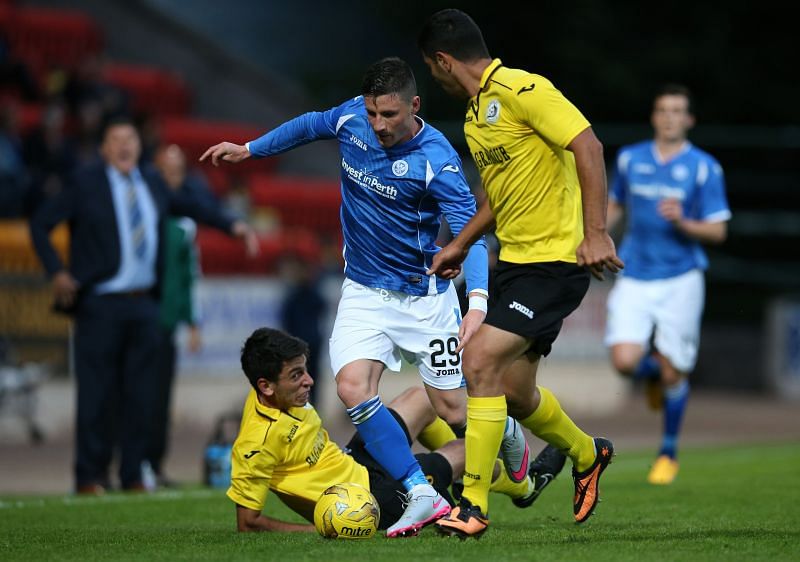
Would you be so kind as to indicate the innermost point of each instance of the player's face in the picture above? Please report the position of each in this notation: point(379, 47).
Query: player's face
point(293, 387)
point(671, 119)
point(121, 147)
point(392, 118)
point(445, 79)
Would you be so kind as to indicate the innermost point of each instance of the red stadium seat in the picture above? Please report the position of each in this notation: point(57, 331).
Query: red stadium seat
point(223, 255)
point(6, 14)
point(30, 117)
point(219, 179)
point(196, 135)
point(153, 90)
point(47, 37)
point(300, 202)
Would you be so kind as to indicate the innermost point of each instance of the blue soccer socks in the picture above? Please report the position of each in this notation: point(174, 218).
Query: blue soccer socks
point(675, 400)
point(648, 368)
point(386, 441)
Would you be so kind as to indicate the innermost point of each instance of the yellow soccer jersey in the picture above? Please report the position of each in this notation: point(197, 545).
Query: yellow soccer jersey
point(290, 453)
point(517, 128)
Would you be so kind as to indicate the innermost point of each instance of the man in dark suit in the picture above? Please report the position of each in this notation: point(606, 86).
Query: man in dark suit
point(116, 212)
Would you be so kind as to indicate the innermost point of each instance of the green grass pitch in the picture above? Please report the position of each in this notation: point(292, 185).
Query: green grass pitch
point(729, 503)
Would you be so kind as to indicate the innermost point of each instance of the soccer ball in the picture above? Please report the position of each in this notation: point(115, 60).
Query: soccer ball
point(347, 511)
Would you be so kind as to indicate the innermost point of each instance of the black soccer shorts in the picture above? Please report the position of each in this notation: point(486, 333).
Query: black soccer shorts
point(532, 299)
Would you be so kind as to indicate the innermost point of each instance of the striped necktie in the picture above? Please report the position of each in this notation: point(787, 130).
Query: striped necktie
point(135, 220)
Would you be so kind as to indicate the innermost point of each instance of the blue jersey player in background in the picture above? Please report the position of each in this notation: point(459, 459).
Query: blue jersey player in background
point(673, 195)
point(399, 177)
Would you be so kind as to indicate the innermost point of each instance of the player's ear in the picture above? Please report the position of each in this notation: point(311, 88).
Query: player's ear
point(444, 61)
point(265, 387)
point(415, 104)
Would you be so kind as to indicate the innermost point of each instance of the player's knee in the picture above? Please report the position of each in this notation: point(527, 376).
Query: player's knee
point(453, 411)
point(455, 418)
point(351, 392)
point(624, 363)
point(479, 373)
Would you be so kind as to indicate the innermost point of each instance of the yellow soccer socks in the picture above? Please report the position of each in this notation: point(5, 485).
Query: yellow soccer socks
point(436, 434)
point(486, 422)
point(550, 423)
point(505, 485)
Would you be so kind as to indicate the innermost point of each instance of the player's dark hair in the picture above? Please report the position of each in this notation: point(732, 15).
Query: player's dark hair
point(391, 75)
point(453, 32)
point(265, 352)
point(673, 89)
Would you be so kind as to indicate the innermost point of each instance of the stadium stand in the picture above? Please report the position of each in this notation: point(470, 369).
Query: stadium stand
point(54, 63)
point(29, 116)
point(221, 255)
point(309, 203)
point(45, 38)
point(196, 135)
point(153, 90)
point(57, 44)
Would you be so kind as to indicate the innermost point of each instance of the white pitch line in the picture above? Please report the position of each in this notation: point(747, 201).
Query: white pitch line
point(167, 495)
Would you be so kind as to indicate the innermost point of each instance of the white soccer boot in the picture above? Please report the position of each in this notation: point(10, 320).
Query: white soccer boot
point(514, 451)
point(424, 505)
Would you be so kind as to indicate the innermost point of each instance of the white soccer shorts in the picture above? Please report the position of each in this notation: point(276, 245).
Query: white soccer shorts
point(672, 307)
point(390, 326)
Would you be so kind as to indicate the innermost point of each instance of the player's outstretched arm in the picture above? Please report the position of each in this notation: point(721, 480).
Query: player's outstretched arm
point(226, 151)
point(447, 262)
point(250, 520)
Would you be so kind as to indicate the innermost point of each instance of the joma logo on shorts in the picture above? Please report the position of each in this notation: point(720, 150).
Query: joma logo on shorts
point(521, 308)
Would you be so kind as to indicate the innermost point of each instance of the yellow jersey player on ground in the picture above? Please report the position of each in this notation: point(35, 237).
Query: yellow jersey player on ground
point(543, 171)
point(283, 447)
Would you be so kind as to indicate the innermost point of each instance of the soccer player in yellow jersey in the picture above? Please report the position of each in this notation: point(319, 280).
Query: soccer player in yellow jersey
point(543, 171)
point(283, 447)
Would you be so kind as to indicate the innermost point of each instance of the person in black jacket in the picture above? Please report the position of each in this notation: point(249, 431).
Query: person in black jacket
point(116, 212)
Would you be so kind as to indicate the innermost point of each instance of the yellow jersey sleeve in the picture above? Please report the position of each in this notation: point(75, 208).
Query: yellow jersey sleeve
point(252, 466)
point(543, 107)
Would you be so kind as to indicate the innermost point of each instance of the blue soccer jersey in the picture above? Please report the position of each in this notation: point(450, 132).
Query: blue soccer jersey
point(392, 198)
point(653, 248)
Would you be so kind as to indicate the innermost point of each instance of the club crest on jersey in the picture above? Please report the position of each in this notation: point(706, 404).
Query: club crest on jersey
point(493, 111)
point(679, 172)
point(399, 167)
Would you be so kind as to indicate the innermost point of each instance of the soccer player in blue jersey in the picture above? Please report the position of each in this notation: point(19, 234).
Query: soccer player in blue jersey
point(399, 176)
point(673, 195)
